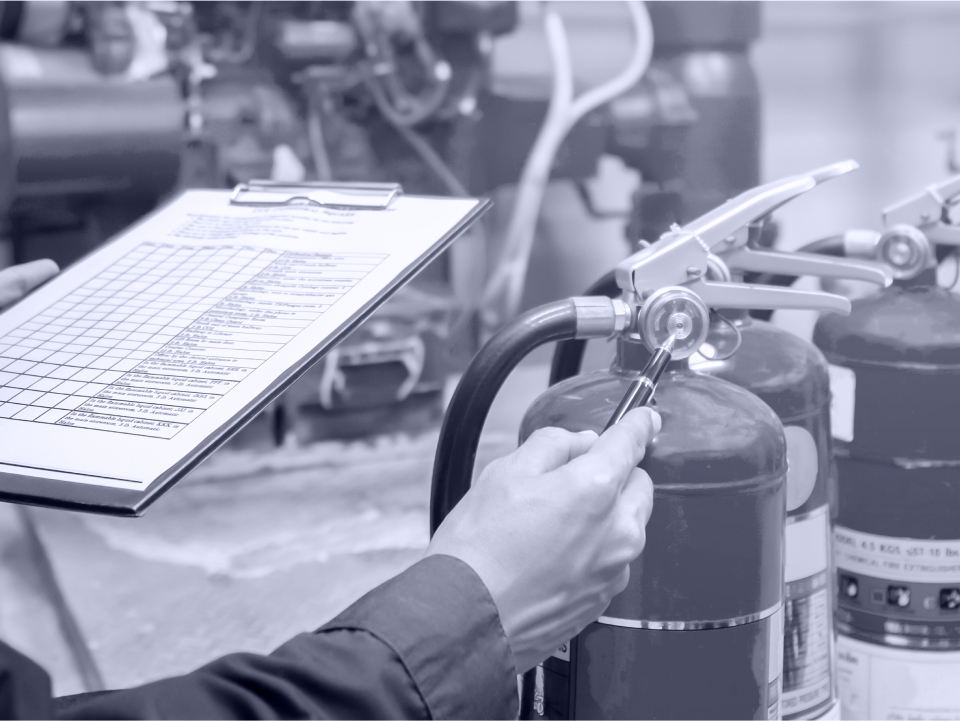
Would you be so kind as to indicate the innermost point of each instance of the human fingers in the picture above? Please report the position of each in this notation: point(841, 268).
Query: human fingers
point(622, 581)
point(18, 280)
point(549, 448)
point(630, 517)
point(619, 449)
point(638, 493)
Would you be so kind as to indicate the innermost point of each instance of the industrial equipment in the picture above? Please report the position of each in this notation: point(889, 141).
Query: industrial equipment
point(108, 108)
point(693, 128)
point(895, 365)
point(703, 608)
point(790, 375)
point(689, 123)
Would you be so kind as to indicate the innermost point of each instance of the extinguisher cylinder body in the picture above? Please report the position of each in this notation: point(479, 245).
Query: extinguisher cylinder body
point(895, 380)
point(698, 631)
point(791, 376)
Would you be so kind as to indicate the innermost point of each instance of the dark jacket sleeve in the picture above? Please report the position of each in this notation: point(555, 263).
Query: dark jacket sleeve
point(426, 644)
point(24, 687)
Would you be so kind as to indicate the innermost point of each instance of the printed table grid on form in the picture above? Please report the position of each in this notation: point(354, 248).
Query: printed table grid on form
point(158, 337)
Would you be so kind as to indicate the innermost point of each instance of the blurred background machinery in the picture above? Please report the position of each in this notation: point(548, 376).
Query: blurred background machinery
point(109, 108)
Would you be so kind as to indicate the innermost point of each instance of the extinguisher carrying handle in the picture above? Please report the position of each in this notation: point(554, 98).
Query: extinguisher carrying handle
point(691, 252)
point(588, 317)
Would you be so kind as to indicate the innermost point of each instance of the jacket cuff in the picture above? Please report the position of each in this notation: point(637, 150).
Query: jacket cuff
point(440, 620)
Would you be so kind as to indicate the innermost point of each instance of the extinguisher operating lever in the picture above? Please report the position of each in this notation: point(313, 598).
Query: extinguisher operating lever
point(821, 266)
point(641, 388)
point(765, 297)
point(686, 253)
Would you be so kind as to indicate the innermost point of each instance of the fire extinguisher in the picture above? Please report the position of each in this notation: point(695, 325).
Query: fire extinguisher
point(791, 376)
point(895, 380)
point(698, 631)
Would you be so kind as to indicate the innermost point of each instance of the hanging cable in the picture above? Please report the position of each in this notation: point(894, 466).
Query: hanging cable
point(504, 291)
point(381, 72)
point(431, 159)
point(318, 145)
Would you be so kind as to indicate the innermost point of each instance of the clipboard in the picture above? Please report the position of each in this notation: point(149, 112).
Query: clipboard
point(258, 217)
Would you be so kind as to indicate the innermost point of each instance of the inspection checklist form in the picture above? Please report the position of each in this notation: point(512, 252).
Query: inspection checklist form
point(119, 368)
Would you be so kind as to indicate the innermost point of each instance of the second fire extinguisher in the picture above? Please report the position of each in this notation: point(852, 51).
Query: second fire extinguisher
point(895, 379)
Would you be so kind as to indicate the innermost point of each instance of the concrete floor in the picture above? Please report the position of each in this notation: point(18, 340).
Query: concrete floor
point(250, 550)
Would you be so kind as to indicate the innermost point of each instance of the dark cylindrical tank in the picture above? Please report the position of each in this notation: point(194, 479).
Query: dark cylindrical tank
point(73, 130)
point(895, 379)
point(697, 633)
point(705, 46)
point(790, 375)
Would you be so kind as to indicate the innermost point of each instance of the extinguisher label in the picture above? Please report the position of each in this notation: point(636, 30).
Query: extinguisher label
point(843, 395)
point(880, 682)
point(774, 664)
point(808, 663)
point(897, 559)
point(773, 700)
point(803, 466)
point(807, 542)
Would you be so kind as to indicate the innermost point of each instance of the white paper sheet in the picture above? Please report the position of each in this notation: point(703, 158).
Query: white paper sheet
point(124, 364)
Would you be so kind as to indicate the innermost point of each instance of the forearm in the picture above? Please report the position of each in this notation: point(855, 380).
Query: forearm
point(427, 644)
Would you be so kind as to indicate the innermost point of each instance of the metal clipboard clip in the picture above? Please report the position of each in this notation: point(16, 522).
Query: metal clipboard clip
point(345, 196)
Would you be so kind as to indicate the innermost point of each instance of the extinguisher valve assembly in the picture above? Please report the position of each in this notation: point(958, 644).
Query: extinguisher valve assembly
point(912, 228)
point(701, 255)
point(667, 289)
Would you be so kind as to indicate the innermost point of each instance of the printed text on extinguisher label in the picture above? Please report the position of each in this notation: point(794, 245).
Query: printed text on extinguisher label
point(774, 665)
point(897, 559)
point(808, 636)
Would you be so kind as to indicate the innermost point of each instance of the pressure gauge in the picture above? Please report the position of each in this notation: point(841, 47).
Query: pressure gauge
point(676, 311)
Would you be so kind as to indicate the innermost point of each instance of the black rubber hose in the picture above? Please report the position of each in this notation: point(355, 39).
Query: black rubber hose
point(468, 409)
point(832, 245)
point(568, 356)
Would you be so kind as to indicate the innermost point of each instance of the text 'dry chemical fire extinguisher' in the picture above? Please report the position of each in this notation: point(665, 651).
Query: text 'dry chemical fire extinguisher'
point(698, 631)
point(895, 380)
point(790, 375)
